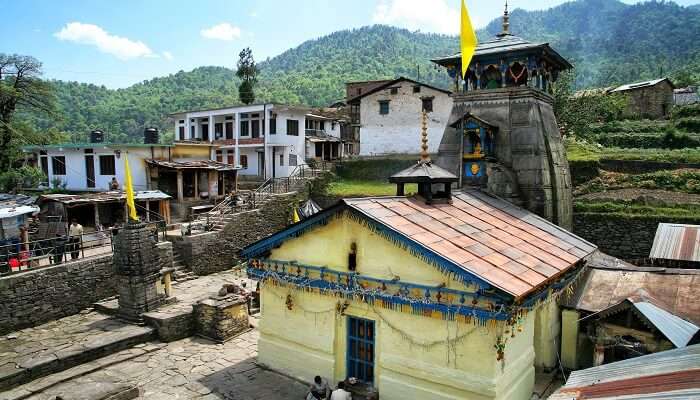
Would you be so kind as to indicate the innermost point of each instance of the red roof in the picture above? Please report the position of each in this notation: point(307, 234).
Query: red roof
point(510, 248)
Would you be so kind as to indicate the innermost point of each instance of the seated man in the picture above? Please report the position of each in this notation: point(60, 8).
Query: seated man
point(319, 389)
point(340, 393)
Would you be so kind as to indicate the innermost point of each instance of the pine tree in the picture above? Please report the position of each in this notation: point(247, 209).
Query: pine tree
point(248, 72)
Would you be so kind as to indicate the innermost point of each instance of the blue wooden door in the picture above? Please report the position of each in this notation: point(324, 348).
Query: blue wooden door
point(360, 353)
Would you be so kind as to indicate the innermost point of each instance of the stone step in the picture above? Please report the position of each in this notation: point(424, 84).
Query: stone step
point(50, 361)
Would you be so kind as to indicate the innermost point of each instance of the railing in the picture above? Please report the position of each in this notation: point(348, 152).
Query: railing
point(21, 256)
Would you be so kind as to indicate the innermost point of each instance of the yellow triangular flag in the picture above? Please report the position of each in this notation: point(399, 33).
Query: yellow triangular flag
point(129, 187)
point(295, 217)
point(468, 39)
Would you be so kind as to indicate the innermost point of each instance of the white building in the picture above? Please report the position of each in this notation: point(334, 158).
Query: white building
point(91, 166)
point(388, 116)
point(265, 140)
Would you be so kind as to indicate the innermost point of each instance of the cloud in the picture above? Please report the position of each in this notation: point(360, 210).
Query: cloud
point(223, 31)
point(429, 16)
point(93, 35)
point(168, 55)
point(253, 14)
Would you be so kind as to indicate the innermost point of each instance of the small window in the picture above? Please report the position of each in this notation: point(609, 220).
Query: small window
point(292, 127)
point(352, 258)
point(89, 151)
point(281, 160)
point(394, 90)
point(229, 118)
point(244, 161)
point(192, 120)
point(59, 165)
point(107, 165)
point(427, 104)
point(182, 121)
point(255, 115)
point(273, 126)
point(42, 152)
point(416, 89)
point(292, 160)
point(384, 107)
point(244, 115)
point(219, 156)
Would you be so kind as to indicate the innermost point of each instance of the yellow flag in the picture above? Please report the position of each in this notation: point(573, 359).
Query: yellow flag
point(295, 217)
point(129, 187)
point(468, 39)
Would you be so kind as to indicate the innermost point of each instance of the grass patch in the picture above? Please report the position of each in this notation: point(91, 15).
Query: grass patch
point(578, 150)
point(682, 180)
point(631, 208)
point(365, 188)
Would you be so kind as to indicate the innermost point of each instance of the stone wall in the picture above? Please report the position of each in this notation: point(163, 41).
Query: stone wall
point(35, 297)
point(212, 252)
point(623, 236)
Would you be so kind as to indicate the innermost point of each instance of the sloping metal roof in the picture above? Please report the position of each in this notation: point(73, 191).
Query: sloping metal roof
point(676, 242)
point(676, 329)
point(104, 197)
point(640, 85)
point(9, 212)
point(195, 164)
point(423, 171)
point(672, 374)
point(510, 248)
point(506, 44)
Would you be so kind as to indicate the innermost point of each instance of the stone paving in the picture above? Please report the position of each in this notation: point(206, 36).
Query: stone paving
point(191, 368)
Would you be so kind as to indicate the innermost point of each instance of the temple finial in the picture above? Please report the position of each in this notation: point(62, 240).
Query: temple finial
point(506, 22)
point(424, 155)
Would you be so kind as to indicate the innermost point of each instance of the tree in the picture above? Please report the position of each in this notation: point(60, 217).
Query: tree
point(20, 89)
point(248, 72)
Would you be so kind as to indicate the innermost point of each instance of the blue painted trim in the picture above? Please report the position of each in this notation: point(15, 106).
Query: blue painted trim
point(370, 297)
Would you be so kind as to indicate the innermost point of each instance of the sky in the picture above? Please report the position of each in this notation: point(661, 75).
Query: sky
point(119, 43)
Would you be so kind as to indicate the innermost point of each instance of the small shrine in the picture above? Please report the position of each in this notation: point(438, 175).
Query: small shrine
point(502, 134)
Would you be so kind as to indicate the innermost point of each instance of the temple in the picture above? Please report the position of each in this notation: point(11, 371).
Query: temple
point(502, 135)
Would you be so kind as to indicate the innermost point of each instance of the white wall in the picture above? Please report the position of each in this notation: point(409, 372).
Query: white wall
point(76, 175)
point(399, 131)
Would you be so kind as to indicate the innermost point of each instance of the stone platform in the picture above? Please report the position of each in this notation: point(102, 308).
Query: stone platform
point(33, 353)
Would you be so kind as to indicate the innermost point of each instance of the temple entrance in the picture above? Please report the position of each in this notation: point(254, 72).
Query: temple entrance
point(360, 353)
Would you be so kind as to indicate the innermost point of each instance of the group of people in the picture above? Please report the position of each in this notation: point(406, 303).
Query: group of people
point(320, 390)
point(71, 243)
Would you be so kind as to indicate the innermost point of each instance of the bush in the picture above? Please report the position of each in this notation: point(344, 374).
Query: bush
point(688, 111)
point(690, 124)
point(15, 179)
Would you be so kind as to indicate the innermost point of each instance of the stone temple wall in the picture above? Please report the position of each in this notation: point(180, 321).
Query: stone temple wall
point(530, 167)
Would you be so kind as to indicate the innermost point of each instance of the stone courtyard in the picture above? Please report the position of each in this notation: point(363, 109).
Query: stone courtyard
point(93, 355)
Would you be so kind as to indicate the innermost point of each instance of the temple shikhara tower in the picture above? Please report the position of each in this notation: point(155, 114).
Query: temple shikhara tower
point(502, 134)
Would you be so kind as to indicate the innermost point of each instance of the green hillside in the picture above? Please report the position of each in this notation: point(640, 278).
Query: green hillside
point(609, 42)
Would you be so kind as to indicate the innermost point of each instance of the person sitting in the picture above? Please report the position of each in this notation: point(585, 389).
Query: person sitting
point(319, 389)
point(340, 393)
point(114, 184)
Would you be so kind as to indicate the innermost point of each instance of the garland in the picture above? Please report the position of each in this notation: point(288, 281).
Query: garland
point(520, 75)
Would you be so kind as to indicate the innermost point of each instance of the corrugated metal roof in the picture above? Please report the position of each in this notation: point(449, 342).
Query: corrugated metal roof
point(104, 197)
point(508, 247)
point(609, 281)
point(676, 329)
point(195, 164)
point(672, 374)
point(676, 242)
point(9, 212)
point(639, 85)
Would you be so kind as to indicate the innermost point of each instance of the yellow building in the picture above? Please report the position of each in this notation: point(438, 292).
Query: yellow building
point(435, 296)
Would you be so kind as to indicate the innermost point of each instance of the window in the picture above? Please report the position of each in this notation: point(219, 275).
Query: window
point(182, 121)
point(182, 133)
point(427, 104)
point(292, 160)
point(292, 127)
point(273, 126)
point(352, 258)
point(416, 89)
point(355, 113)
point(394, 90)
point(229, 130)
point(384, 107)
point(89, 151)
point(244, 161)
point(281, 160)
point(219, 156)
point(229, 118)
point(218, 130)
point(45, 165)
point(231, 156)
point(256, 128)
point(322, 125)
point(244, 128)
point(59, 165)
point(107, 166)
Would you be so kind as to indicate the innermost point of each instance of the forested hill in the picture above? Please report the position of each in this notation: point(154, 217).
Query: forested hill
point(608, 41)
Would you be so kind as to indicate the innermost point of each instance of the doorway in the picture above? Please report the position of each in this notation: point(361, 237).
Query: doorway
point(90, 171)
point(360, 352)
